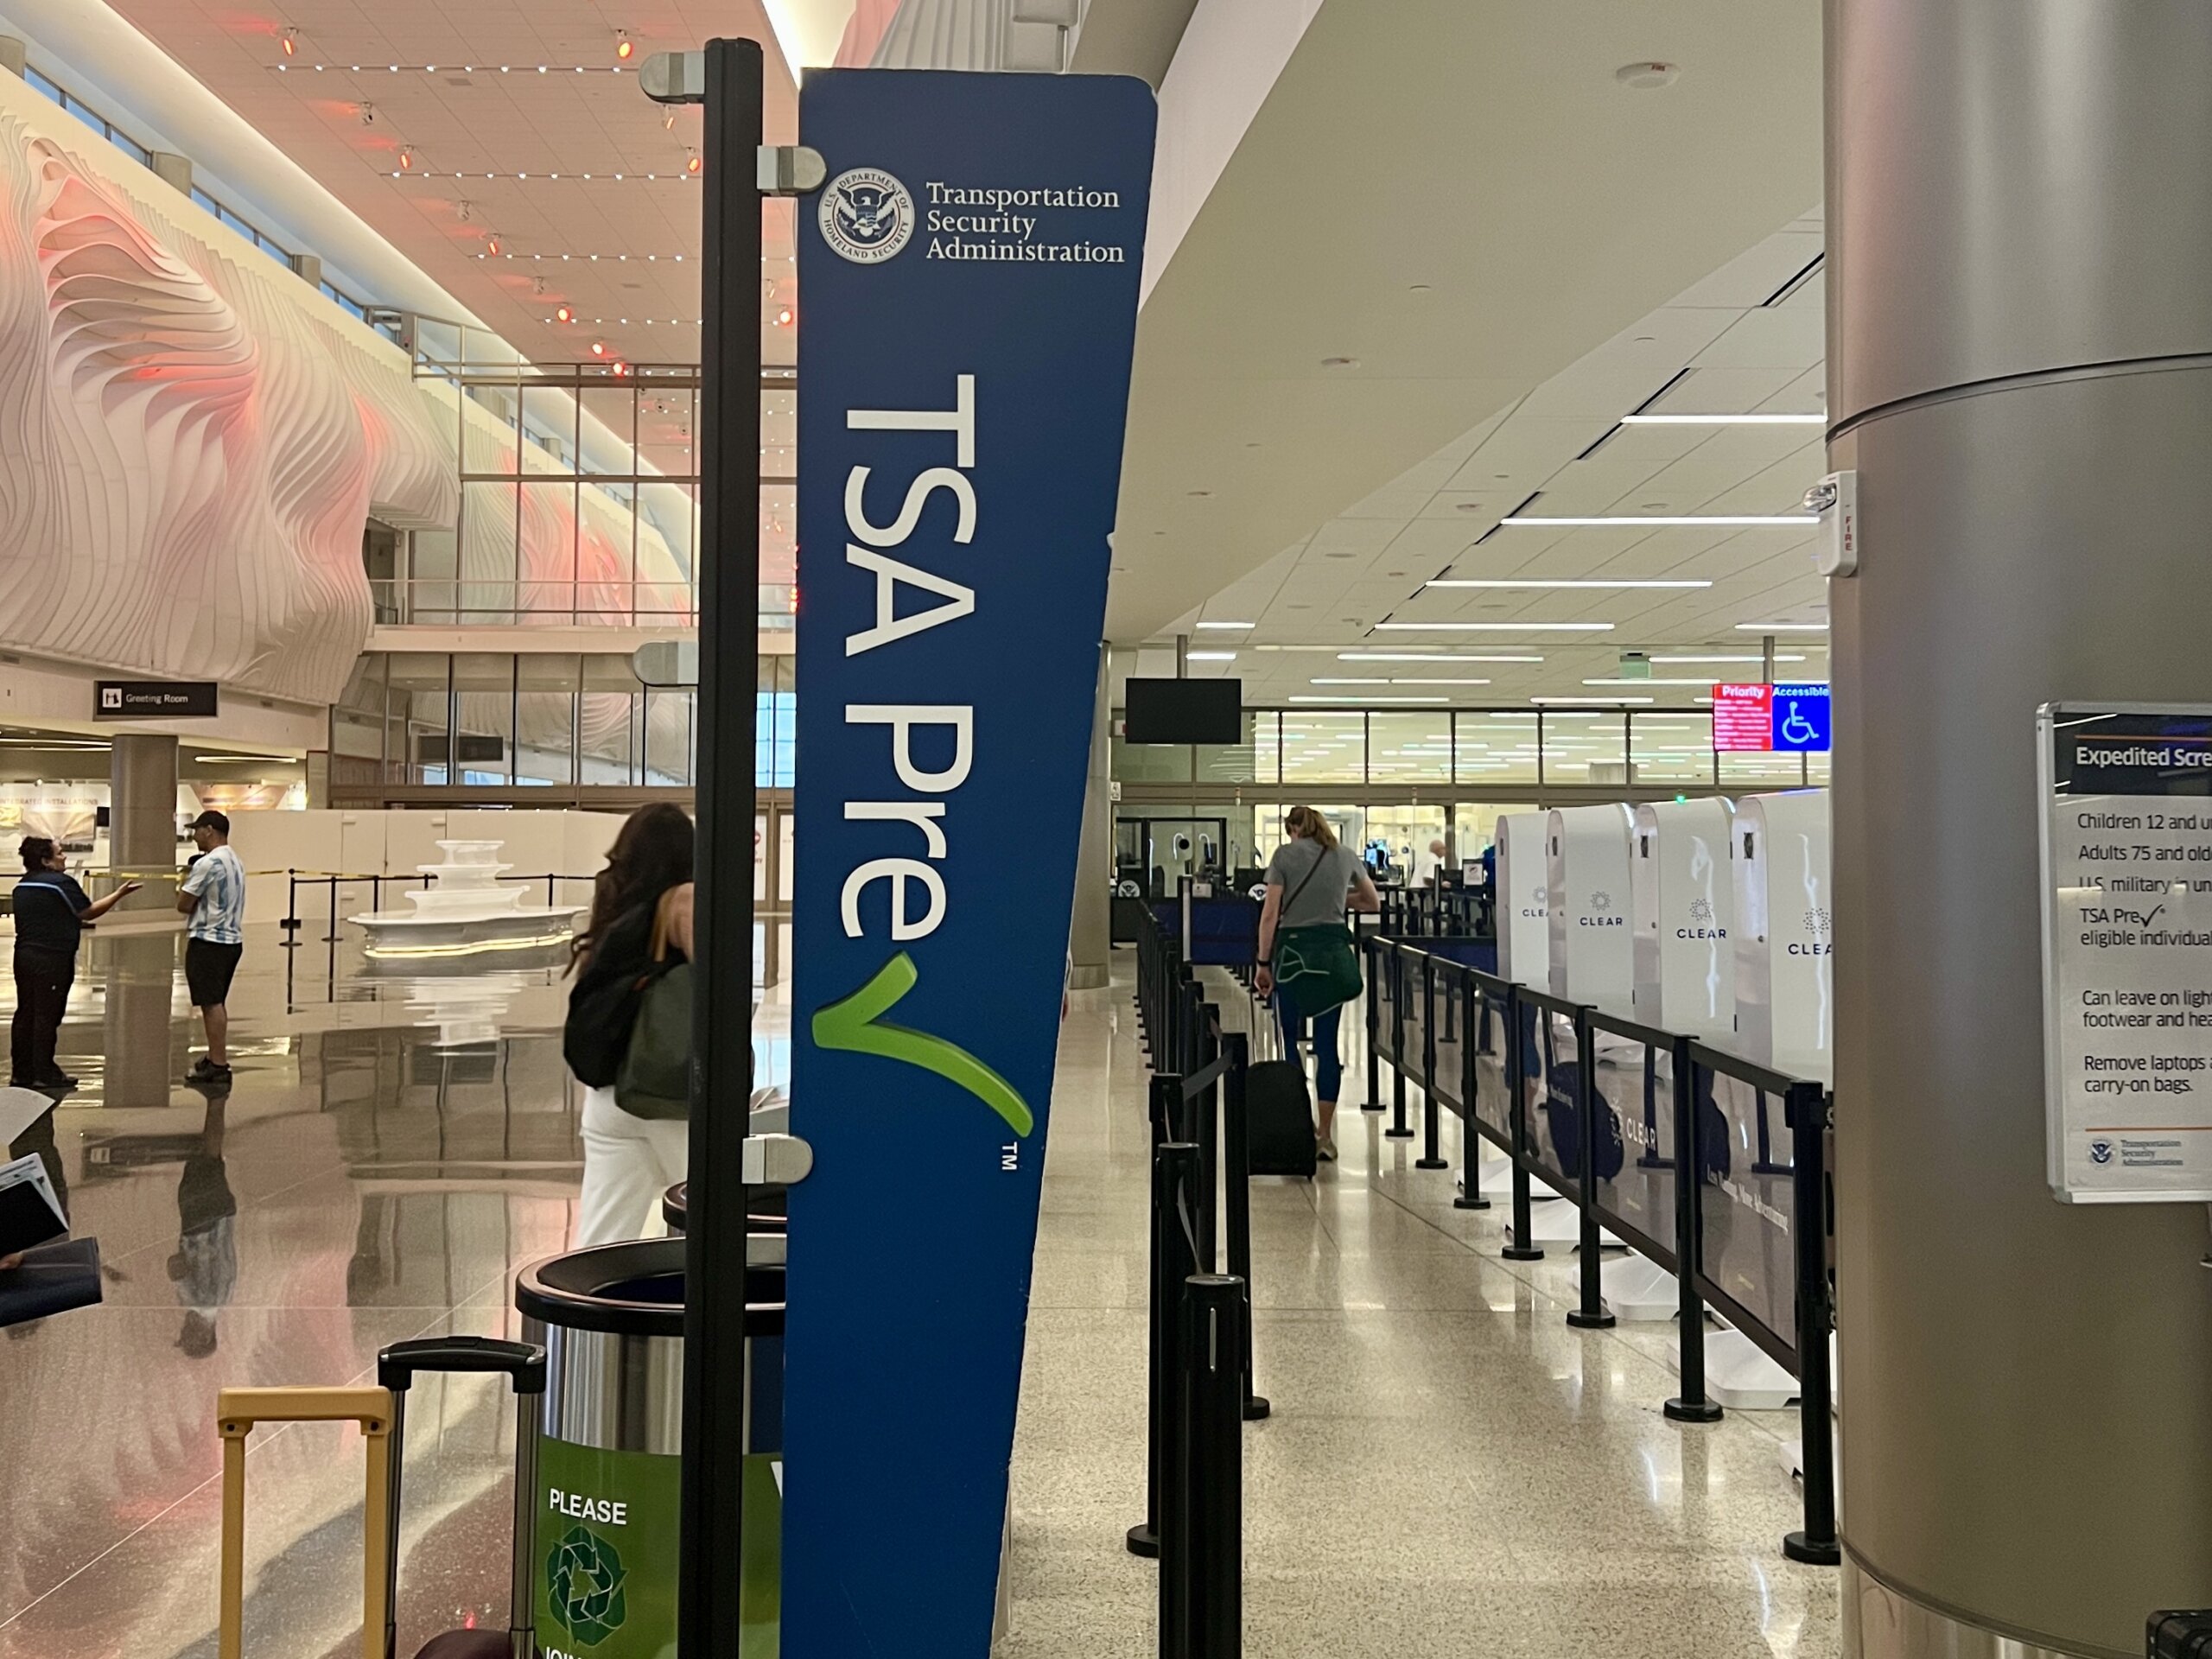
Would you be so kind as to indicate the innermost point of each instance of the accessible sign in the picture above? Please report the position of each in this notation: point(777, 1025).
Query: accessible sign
point(1787, 718)
point(2126, 867)
point(971, 277)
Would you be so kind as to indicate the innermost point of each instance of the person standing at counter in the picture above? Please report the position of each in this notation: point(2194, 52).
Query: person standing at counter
point(52, 913)
point(1307, 960)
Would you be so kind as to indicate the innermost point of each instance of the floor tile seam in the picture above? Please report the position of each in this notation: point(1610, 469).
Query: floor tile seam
point(278, 1433)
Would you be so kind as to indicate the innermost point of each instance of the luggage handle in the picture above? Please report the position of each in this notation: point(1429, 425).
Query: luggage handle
point(525, 1362)
point(236, 1411)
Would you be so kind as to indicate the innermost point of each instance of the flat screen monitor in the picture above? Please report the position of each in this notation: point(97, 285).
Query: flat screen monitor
point(1184, 711)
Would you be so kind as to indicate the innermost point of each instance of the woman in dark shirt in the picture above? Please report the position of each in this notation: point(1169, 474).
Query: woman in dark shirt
point(51, 913)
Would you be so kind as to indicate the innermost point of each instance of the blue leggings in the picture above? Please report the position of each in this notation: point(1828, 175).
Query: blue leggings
point(1328, 1066)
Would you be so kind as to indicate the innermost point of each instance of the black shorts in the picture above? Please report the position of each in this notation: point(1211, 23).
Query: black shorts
point(208, 969)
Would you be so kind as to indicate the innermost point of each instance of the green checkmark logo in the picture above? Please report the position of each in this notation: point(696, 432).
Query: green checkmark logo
point(856, 1024)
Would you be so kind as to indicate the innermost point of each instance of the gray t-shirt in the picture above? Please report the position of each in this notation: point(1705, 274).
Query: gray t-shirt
point(1321, 899)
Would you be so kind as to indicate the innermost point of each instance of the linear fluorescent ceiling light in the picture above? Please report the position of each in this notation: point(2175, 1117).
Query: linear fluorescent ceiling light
point(1724, 420)
point(1781, 627)
point(1210, 657)
point(1576, 582)
point(1742, 520)
point(1209, 627)
point(1402, 679)
point(1587, 701)
point(1425, 656)
point(1494, 627)
point(1369, 698)
point(1621, 679)
point(1729, 657)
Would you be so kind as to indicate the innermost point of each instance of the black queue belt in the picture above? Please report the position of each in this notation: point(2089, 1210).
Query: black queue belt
point(1611, 1114)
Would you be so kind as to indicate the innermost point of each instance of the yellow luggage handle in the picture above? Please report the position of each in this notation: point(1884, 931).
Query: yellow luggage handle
point(237, 1412)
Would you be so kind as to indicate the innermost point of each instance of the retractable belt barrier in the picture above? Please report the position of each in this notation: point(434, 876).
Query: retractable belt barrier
point(1712, 1166)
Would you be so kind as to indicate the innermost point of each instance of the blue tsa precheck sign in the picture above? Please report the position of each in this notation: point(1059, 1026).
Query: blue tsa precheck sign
point(971, 272)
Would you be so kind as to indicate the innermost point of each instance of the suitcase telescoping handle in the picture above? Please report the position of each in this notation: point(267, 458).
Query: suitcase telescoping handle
point(525, 1363)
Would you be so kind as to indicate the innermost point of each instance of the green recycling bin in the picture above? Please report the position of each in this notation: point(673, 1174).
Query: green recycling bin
point(609, 1464)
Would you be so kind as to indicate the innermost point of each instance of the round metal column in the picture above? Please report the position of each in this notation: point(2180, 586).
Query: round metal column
point(2020, 368)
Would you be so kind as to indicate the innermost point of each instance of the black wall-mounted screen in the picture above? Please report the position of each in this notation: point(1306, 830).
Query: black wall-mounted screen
point(1184, 711)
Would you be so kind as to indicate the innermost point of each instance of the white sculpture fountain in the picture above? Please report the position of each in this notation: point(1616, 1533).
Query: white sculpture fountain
point(465, 911)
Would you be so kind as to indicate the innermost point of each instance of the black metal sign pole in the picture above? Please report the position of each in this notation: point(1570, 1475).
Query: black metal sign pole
point(728, 562)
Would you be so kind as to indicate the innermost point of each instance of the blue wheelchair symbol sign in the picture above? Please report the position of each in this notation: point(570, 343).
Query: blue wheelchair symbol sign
point(1801, 718)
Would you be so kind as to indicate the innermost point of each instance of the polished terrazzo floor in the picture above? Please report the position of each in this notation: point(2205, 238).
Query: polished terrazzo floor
point(1449, 1469)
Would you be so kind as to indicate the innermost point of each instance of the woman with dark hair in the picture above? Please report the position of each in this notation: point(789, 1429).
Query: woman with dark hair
point(1311, 880)
point(640, 921)
point(52, 913)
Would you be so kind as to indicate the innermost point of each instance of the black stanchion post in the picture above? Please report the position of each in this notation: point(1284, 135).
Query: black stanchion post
point(1432, 1154)
point(1816, 1545)
point(1144, 1539)
point(290, 925)
point(1236, 1156)
point(1399, 1130)
point(1377, 966)
point(1206, 1109)
point(1212, 1401)
point(1692, 1405)
point(1590, 1314)
point(1177, 1164)
point(1470, 1140)
point(1517, 1246)
point(728, 562)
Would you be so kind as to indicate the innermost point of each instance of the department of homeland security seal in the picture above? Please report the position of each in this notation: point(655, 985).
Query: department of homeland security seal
point(866, 215)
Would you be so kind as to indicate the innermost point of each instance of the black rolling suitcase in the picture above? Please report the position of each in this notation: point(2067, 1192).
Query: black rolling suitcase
point(1279, 1136)
point(525, 1363)
point(2180, 1635)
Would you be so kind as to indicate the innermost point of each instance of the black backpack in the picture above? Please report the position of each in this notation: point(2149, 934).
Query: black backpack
point(603, 1004)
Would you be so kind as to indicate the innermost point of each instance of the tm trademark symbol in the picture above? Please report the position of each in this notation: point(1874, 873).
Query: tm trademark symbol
point(1010, 1155)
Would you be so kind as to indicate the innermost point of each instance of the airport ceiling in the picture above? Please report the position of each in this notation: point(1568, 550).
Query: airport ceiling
point(615, 237)
point(1371, 344)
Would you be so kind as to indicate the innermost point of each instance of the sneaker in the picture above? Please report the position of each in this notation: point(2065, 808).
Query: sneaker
point(206, 1070)
point(58, 1080)
point(1325, 1149)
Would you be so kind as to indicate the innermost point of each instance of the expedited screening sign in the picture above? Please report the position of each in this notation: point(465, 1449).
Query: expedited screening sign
point(2126, 873)
point(968, 277)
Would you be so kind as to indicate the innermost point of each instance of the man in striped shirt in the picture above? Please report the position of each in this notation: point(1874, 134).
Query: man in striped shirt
point(214, 898)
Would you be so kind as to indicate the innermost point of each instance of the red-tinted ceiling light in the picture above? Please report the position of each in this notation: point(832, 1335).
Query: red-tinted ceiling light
point(291, 41)
point(691, 166)
point(492, 244)
point(626, 49)
point(622, 368)
point(406, 160)
point(599, 348)
point(784, 318)
point(562, 314)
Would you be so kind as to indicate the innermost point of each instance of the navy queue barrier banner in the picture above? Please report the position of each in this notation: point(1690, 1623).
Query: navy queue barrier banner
point(972, 274)
point(1611, 1114)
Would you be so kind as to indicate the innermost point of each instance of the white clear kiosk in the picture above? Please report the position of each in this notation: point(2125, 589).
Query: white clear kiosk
point(1592, 957)
point(1523, 909)
point(1684, 898)
point(1785, 1007)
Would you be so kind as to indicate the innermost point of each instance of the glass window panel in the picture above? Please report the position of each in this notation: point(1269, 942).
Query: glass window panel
point(484, 715)
point(779, 533)
point(1405, 832)
point(1409, 748)
point(662, 557)
point(1761, 771)
point(607, 526)
point(201, 198)
point(1816, 767)
point(549, 422)
point(1474, 826)
point(42, 86)
point(70, 103)
point(1149, 763)
point(670, 720)
point(609, 719)
point(610, 429)
point(487, 425)
point(1324, 748)
point(667, 432)
point(1670, 748)
point(778, 435)
point(237, 224)
point(1240, 763)
point(418, 705)
point(775, 724)
point(546, 716)
point(1494, 748)
point(130, 147)
point(489, 517)
point(1585, 747)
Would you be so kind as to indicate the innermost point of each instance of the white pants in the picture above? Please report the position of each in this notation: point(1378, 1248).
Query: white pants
point(629, 1162)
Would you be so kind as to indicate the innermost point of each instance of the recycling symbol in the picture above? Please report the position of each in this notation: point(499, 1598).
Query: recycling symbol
point(584, 1575)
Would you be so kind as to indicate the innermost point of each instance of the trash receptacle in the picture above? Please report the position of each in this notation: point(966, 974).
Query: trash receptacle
point(765, 1212)
point(609, 1469)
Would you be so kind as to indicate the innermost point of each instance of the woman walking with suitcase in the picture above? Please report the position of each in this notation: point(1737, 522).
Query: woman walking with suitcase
point(1307, 959)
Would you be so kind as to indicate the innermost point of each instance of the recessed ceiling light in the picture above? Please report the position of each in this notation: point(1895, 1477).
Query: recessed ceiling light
point(1647, 77)
point(1736, 520)
point(1566, 582)
point(1501, 627)
point(1781, 627)
point(1418, 288)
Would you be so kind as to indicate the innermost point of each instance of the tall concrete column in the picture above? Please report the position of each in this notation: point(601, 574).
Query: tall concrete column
point(1090, 937)
point(2020, 369)
point(142, 812)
